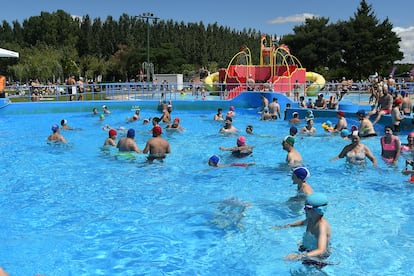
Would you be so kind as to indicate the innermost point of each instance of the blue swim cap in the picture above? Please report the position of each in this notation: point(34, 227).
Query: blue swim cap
point(214, 160)
point(131, 133)
point(345, 132)
point(302, 173)
point(318, 201)
point(55, 127)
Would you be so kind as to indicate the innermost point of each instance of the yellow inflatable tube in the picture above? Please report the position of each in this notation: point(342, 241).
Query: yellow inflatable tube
point(210, 80)
point(318, 82)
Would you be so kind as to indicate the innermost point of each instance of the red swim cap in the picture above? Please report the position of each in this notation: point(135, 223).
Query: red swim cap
point(157, 130)
point(112, 132)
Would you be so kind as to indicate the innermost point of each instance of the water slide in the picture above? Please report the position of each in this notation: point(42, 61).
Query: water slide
point(318, 82)
point(210, 80)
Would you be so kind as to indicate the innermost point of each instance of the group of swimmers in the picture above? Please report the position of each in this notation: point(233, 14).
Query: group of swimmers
point(156, 147)
point(315, 245)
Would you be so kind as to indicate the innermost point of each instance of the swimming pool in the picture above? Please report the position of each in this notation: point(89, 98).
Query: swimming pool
point(77, 209)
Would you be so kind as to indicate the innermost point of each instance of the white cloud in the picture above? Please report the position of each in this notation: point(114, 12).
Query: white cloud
point(406, 43)
point(292, 18)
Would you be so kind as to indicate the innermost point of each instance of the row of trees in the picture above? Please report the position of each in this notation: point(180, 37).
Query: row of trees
point(54, 45)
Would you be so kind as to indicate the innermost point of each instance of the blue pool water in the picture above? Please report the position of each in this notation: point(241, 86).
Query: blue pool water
point(77, 210)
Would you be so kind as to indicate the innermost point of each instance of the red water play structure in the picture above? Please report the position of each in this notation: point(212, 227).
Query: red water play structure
point(278, 68)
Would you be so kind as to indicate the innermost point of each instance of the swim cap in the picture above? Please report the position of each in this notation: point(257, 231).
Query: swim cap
point(398, 101)
point(318, 201)
point(157, 130)
point(241, 141)
point(411, 134)
point(293, 130)
point(63, 122)
point(403, 93)
point(295, 113)
point(214, 160)
point(341, 113)
point(104, 106)
point(345, 132)
point(361, 113)
point(328, 123)
point(177, 120)
point(112, 132)
point(146, 121)
point(320, 95)
point(135, 117)
point(102, 116)
point(55, 127)
point(353, 128)
point(232, 108)
point(131, 133)
point(302, 173)
point(290, 140)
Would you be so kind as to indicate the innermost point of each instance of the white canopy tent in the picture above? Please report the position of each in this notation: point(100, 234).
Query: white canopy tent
point(8, 53)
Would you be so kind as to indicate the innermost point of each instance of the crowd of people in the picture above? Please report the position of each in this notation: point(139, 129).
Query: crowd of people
point(315, 246)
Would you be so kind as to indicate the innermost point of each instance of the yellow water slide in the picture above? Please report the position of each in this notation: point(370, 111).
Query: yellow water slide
point(210, 80)
point(318, 82)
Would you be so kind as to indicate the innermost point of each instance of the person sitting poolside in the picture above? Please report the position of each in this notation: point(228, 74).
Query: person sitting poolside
point(299, 177)
point(241, 150)
point(384, 107)
point(315, 246)
point(214, 160)
point(390, 146)
point(111, 140)
point(157, 146)
point(356, 152)
point(56, 136)
point(127, 144)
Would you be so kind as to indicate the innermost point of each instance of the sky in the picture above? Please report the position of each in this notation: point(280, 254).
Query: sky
point(273, 17)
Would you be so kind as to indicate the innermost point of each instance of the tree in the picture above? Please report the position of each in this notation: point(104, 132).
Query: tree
point(369, 46)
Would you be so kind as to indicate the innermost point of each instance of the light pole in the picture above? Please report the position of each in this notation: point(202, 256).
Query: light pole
point(147, 16)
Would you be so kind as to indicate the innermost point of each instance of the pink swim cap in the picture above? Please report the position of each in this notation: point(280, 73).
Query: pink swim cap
point(241, 141)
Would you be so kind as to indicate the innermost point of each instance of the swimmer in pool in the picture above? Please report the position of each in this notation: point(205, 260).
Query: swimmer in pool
point(293, 157)
point(409, 146)
point(111, 140)
point(157, 146)
point(228, 126)
point(316, 239)
point(127, 144)
point(356, 152)
point(134, 117)
point(175, 125)
point(214, 160)
point(390, 146)
point(56, 136)
point(64, 125)
point(241, 150)
point(299, 177)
